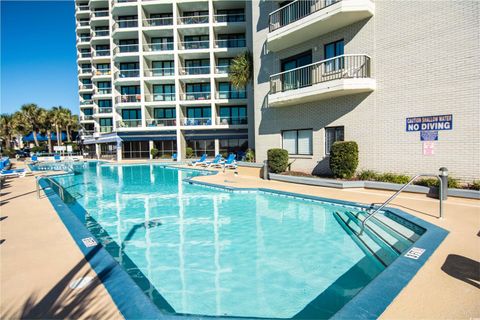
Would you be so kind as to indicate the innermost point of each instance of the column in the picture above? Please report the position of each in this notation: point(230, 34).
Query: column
point(98, 150)
point(119, 151)
point(151, 145)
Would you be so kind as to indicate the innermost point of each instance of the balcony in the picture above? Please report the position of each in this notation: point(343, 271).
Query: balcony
point(83, 24)
point(101, 91)
point(105, 110)
point(84, 55)
point(195, 96)
point(124, 24)
point(194, 45)
point(101, 33)
point(122, 74)
point(83, 8)
point(102, 73)
point(230, 43)
point(194, 70)
point(171, 122)
point(86, 117)
point(196, 121)
point(222, 69)
point(85, 87)
point(232, 121)
point(303, 20)
point(125, 49)
point(158, 47)
point(160, 97)
point(157, 22)
point(129, 98)
point(104, 129)
point(193, 19)
point(222, 18)
point(86, 102)
point(99, 14)
point(101, 53)
point(83, 40)
point(87, 133)
point(339, 76)
point(85, 72)
point(237, 94)
point(129, 123)
point(159, 72)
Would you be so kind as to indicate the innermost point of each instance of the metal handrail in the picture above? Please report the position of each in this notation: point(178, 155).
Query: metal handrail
point(60, 188)
point(399, 191)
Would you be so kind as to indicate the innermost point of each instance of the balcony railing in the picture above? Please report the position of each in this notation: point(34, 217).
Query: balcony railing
point(85, 55)
point(99, 14)
point(134, 73)
point(158, 22)
point(102, 72)
point(196, 121)
point(238, 94)
point(230, 43)
point(101, 33)
point(122, 24)
point(103, 91)
point(160, 97)
point(101, 53)
point(83, 39)
point(296, 10)
point(159, 72)
point(128, 98)
point(155, 47)
point(83, 8)
point(222, 69)
point(86, 117)
point(341, 67)
point(237, 17)
point(85, 87)
point(83, 24)
point(86, 71)
point(122, 1)
point(195, 70)
point(125, 48)
point(104, 129)
point(86, 102)
point(232, 120)
point(129, 123)
point(194, 45)
point(161, 122)
point(193, 19)
point(105, 110)
point(195, 96)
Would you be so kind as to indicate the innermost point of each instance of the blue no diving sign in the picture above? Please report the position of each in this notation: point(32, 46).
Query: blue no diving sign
point(430, 123)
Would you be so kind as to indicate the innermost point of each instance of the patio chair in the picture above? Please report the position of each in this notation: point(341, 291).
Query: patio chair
point(230, 163)
point(216, 161)
point(13, 173)
point(202, 160)
point(174, 157)
point(57, 158)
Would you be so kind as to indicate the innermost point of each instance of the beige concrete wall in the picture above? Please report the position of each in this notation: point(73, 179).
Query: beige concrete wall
point(425, 61)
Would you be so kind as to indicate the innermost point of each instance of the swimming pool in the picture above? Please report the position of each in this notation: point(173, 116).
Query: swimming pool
point(208, 251)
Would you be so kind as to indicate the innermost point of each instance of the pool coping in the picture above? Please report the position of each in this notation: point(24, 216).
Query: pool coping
point(132, 302)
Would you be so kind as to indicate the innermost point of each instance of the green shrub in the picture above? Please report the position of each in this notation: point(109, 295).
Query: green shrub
point(188, 153)
point(393, 178)
point(344, 159)
point(8, 152)
point(433, 182)
point(36, 149)
point(277, 160)
point(154, 152)
point(250, 155)
point(475, 185)
point(367, 175)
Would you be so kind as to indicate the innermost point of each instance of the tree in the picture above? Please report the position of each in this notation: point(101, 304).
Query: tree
point(46, 126)
point(7, 129)
point(241, 70)
point(32, 115)
point(71, 123)
point(58, 118)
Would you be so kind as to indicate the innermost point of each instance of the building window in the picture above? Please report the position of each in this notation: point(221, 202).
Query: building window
point(199, 112)
point(104, 103)
point(201, 147)
point(164, 113)
point(333, 134)
point(166, 148)
point(235, 146)
point(298, 142)
point(163, 92)
point(233, 115)
point(88, 111)
point(294, 80)
point(333, 50)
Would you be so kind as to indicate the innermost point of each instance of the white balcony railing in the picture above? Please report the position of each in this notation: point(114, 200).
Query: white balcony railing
point(193, 45)
point(104, 129)
point(160, 97)
point(159, 72)
point(161, 122)
point(196, 121)
point(134, 73)
point(189, 96)
point(128, 98)
point(158, 22)
point(194, 70)
point(296, 10)
point(193, 19)
point(342, 67)
point(157, 47)
point(232, 120)
point(237, 17)
point(129, 123)
point(235, 94)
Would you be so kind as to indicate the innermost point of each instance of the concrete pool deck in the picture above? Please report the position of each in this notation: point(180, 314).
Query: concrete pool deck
point(37, 264)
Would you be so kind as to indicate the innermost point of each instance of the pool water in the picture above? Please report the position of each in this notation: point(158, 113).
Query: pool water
point(205, 251)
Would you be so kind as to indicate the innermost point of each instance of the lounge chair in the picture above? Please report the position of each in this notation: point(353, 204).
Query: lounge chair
point(13, 173)
point(230, 163)
point(174, 157)
point(202, 160)
point(57, 158)
point(216, 161)
point(34, 158)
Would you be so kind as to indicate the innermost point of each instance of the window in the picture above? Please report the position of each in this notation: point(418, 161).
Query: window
point(106, 125)
point(197, 66)
point(128, 45)
point(333, 50)
point(104, 103)
point(135, 149)
point(200, 147)
point(130, 90)
point(162, 43)
point(197, 91)
point(131, 114)
point(196, 42)
point(160, 19)
point(236, 146)
point(233, 115)
point(163, 92)
point(231, 40)
point(333, 134)
point(164, 113)
point(199, 112)
point(227, 91)
point(162, 68)
point(231, 15)
point(298, 141)
point(294, 80)
point(166, 147)
point(88, 111)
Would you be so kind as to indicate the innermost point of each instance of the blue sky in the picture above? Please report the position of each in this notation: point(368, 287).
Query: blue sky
point(38, 54)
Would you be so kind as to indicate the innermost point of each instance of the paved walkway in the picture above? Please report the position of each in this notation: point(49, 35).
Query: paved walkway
point(39, 260)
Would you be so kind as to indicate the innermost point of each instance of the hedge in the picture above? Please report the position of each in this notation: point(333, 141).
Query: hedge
point(344, 159)
point(277, 160)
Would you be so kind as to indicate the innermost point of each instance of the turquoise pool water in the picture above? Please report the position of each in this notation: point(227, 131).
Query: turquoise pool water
point(204, 251)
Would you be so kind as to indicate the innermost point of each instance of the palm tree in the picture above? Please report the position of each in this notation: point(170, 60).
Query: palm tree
point(46, 126)
point(32, 114)
point(241, 70)
point(58, 120)
point(71, 123)
point(7, 129)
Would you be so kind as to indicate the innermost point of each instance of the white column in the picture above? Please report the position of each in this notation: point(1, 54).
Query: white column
point(97, 150)
point(217, 146)
point(150, 147)
point(119, 151)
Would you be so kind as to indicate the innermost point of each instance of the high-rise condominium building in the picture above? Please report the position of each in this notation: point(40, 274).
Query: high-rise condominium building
point(154, 74)
point(401, 78)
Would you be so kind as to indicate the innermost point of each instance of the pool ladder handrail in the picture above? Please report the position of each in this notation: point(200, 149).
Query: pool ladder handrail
point(364, 222)
point(60, 188)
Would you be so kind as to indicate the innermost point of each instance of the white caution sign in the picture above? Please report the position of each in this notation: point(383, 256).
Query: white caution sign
point(414, 253)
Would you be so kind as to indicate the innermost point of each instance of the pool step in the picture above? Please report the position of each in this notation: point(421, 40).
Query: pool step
point(368, 239)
